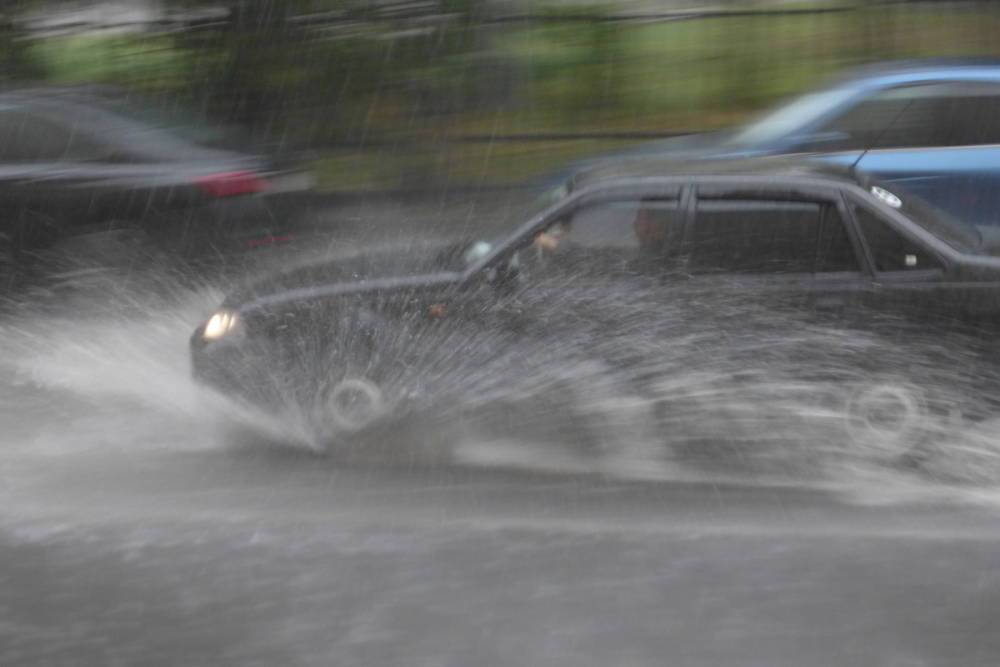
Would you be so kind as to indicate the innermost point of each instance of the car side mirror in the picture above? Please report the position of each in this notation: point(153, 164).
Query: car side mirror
point(475, 251)
point(505, 275)
point(823, 142)
point(460, 256)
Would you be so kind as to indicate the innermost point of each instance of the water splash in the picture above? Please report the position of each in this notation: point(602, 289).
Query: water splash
point(646, 385)
point(650, 383)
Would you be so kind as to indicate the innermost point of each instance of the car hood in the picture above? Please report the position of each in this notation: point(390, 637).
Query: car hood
point(429, 261)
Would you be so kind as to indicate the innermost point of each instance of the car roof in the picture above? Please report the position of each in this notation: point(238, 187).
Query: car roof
point(897, 72)
point(753, 168)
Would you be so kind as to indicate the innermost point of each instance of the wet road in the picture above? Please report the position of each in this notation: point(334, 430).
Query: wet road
point(243, 558)
point(133, 531)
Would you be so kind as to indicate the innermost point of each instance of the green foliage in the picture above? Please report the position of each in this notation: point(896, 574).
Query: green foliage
point(148, 63)
point(571, 70)
point(575, 59)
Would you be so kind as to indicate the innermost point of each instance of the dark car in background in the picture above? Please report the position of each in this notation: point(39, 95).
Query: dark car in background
point(932, 127)
point(78, 160)
point(640, 256)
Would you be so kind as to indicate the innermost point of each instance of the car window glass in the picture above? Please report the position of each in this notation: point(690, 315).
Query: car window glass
point(970, 115)
point(891, 251)
point(932, 115)
point(791, 118)
point(754, 236)
point(893, 119)
point(29, 137)
point(609, 238)
point(835, 252)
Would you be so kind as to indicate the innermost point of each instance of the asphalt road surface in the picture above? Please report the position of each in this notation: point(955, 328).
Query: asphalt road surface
point(133, 530)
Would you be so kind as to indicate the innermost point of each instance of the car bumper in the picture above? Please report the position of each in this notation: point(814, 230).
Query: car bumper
point(286, 182)
point(229, 227)
point(253, 370)
point(195, 224)
point(230, 367)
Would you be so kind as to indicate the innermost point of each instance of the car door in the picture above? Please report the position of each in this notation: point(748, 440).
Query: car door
point(912, 276)
point(575, 321)
point(775, 249)
point(939, 140)
point(588, 277)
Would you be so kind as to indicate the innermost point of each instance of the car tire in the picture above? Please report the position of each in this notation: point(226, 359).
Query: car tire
point(353, 404)
point(887, 421)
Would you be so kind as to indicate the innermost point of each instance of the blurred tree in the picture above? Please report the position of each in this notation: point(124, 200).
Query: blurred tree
point(579, 74)
point(16, 63)
point(271, 64)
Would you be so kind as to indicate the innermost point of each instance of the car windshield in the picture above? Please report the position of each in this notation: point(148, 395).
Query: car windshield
point(790, 118)
point(520, 214)
point(175, 120)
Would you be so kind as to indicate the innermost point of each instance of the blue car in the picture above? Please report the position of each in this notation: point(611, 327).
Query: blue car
point(930, 127)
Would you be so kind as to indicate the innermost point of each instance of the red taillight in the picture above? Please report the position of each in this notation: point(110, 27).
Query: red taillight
point(231, 184)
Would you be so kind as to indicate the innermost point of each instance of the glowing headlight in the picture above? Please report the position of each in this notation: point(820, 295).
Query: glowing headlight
point(219, 325)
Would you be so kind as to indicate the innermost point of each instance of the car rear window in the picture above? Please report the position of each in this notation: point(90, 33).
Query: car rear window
point(892, 251)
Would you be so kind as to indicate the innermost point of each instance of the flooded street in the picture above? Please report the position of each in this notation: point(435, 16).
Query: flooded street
point(144, 519)
point(213, 559)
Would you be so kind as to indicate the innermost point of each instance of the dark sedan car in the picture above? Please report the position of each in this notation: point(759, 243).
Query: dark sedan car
point(639, 263)
point(75, 160)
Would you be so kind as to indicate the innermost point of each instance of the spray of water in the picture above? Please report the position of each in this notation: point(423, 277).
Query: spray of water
point(647, 384)
point(96, 357)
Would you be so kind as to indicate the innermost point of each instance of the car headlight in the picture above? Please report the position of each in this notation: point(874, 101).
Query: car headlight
point(220, 324)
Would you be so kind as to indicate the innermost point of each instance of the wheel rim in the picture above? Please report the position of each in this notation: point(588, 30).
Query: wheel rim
point(355, 403)
point(885, 419)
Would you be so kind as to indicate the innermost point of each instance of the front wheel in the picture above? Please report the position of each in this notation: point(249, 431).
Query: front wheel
point(354, 404)
point(887, 421)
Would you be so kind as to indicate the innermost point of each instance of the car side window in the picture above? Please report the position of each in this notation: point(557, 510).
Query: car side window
point(29, 137)
point(757, 236)
point(970, 115)
point(891, 251)
point(926, 115)
point(625, 237)
point(894, 118)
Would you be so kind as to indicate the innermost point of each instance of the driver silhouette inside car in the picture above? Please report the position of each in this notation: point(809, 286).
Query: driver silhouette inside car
point(548, 240)
point(657, 229)
point(637, 243)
